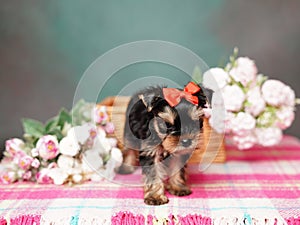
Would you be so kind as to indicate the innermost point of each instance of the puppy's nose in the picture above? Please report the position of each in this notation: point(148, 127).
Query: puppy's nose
point(186, 142)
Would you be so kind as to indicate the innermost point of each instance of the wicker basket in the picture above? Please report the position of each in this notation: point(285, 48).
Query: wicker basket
point(212, 149)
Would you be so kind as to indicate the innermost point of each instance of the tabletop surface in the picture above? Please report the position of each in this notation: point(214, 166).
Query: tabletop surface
point(256, 186)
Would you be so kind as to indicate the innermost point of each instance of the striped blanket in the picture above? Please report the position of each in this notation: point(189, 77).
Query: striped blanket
point(260, 186)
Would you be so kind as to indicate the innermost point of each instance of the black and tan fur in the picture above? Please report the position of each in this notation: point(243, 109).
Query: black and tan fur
point(160, 139)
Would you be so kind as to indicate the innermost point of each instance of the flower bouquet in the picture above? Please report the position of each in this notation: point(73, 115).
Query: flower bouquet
point(249, 107)
point(72, 147)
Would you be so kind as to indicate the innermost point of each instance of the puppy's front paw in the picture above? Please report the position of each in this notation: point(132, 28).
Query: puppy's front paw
point(160, 200)
point(180, 192)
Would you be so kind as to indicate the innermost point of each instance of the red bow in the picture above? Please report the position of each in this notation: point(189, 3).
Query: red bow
point(173, 96)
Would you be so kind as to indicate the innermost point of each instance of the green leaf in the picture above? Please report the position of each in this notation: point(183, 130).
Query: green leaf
point(64, 116)
point(197, 75)
point(56, 132)
point(33, 127)
point(50, 124)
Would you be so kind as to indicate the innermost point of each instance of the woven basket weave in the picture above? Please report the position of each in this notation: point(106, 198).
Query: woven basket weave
point(211, 149)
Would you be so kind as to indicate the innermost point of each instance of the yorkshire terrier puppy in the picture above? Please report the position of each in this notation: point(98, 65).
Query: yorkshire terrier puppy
point(163, 127)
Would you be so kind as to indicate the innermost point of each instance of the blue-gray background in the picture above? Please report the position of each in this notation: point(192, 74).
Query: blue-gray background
point(45, 46)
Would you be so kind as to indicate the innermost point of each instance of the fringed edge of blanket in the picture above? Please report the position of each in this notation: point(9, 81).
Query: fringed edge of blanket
point(138, 219)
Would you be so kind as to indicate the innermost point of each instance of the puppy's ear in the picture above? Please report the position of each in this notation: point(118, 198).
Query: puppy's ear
point(168, 115)
point(147, 99)
point(196, 112)
point(204, 96)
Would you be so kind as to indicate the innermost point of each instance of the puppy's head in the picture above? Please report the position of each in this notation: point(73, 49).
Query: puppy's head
point(179, 128)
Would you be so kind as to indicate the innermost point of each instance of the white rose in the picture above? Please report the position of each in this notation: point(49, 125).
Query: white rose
point(285, 117)
point(69, 146)
point(58, 175)
point(268, 136)
point(256, 102)
point(215, 78)
point(244, 141)
point(65, 162)
point(243, 122)
point(244, 72)
point(277, 93)
point(228, 122)
point(233, 97)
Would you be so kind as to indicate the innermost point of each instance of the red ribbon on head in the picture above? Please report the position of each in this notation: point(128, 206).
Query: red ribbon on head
point(173, 96)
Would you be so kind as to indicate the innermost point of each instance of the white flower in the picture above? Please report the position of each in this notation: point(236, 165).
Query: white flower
point(277, 93)
point(243, 122)
point(285, 117)
point(233, 97)
point(268, 136)
point(69, 146)
point(215, 78)
point(244, 141)
point(228, 122)
point(77, 178)
point(256, 103)
point(58, 175)
point(102, 144)
point(81, 133)
point(92, 159)
point(244, 72)
point(65, 162)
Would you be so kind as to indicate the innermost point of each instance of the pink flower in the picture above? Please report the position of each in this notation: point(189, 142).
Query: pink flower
point(245, 71)
point(242, 123)
point(277, 93)
point(47, 147)
point(233, 97)
point(244, 141)
point(15, 147)
point(35, 163)
point(100, 115)
point(25, 162)
point(215, 78)
point(109, 128)
point(256, 103)
point(8, 177)
point(268, 136)
point(285, 117)
point(42, 177)
point(27, 175)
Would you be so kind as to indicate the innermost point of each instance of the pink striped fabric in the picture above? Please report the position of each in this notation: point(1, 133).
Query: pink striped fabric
point(258, 186)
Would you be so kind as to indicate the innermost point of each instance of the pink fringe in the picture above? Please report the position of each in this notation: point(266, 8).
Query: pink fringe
point(128, 218)
point(26, 220)
point(124, 218)
point(293, 221)
point(3, 221)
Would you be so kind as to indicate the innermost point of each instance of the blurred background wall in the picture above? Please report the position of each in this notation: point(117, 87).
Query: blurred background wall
point(45, 46)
